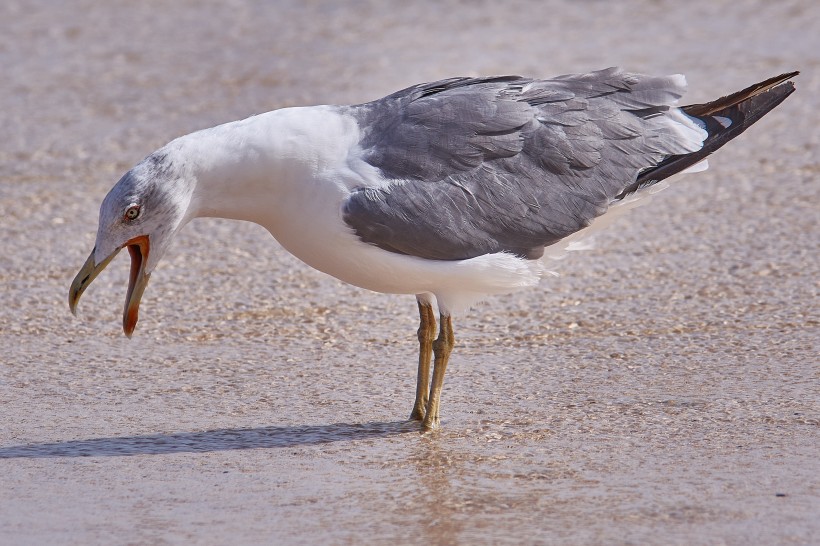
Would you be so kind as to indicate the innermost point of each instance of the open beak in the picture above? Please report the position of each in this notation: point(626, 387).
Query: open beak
point(138, 249)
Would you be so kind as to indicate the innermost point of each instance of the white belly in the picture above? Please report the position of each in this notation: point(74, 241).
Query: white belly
point(316, 234)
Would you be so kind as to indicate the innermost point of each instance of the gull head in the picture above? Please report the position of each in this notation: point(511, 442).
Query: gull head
point(142, 212)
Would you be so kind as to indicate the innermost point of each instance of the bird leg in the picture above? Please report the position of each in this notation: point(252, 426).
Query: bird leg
point(427, 329)
point(442, 347)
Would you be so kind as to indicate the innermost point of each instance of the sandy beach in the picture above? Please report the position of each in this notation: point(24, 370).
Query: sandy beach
point(664, 389)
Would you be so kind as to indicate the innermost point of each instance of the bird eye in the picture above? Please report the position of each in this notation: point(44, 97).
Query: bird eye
point(132, 212)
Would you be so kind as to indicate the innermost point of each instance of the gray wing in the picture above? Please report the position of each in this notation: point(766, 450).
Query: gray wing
point(505, 164)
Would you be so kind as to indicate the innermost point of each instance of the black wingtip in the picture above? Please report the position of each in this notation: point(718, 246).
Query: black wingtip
point(713, 107)
point(743, 109)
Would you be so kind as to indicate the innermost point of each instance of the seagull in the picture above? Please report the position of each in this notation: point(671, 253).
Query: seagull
point(451, 191)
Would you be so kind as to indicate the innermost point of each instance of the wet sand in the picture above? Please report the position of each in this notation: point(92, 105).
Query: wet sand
point(663, 390)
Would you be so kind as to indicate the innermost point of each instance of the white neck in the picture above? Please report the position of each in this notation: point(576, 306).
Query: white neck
point(256, 169)
point(289, 171)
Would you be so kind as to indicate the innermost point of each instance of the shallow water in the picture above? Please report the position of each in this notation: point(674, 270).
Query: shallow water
point(662, 390)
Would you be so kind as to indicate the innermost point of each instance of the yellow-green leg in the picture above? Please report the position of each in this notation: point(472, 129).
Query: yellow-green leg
point(427, 329)
point(442, 347)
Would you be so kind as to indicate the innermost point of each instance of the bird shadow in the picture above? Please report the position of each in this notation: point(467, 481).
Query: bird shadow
point(210, 440)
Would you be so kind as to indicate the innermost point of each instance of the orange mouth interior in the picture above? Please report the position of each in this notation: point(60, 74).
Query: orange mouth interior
point(138, 249)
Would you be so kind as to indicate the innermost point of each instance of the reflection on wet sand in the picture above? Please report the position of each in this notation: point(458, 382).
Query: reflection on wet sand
point(436, 468)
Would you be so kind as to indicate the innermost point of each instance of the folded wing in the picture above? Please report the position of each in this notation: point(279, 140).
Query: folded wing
point(508, 164)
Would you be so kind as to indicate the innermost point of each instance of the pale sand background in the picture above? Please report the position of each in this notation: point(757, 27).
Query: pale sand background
point(663, 390)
